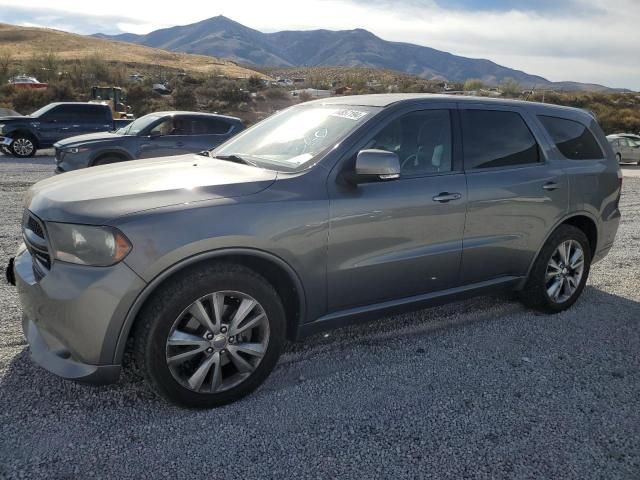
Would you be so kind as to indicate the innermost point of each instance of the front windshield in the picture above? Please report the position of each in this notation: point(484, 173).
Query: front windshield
point(41, 111)
point(292, 138)
point(139, 125)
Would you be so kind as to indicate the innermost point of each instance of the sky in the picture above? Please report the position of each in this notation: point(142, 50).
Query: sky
point(592, 41)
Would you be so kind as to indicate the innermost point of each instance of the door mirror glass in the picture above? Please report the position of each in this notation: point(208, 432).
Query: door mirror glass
point(376, 166)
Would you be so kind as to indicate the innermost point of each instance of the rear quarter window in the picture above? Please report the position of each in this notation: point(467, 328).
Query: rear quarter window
point(573, 139)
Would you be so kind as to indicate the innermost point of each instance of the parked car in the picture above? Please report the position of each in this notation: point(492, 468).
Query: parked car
point(22, 136)
point(325, 213)
point(626, 147)
point(155, 135)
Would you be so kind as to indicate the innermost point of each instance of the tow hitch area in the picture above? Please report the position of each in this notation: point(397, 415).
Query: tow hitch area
point(10, 274)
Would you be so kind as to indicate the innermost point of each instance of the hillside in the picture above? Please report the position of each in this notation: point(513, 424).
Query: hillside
point(352, 48)
point(24, 43)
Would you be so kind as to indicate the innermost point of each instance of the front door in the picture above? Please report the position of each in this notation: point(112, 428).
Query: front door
point(516, 193)
point(396, 239)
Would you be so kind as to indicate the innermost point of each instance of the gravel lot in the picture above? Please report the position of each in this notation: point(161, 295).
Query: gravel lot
point(476, 389)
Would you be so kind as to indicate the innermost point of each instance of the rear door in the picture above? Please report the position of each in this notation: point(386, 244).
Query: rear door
point(92, 118)
point(516, 193)
point(211, 131)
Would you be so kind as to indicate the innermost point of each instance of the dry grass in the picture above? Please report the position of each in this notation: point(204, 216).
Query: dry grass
point(24, 43)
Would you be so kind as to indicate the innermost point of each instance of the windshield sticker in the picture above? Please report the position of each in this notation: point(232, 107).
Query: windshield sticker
point(350, 114)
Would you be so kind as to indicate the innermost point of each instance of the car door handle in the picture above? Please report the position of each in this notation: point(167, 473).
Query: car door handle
point(551, 186)
point(445, 197)
point(179, 144)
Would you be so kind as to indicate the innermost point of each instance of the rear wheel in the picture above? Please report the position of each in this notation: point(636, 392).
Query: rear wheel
point(210, 337)
point(23, 147)
point(560, 271)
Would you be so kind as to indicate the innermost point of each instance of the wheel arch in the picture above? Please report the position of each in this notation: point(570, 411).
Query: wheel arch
point(121, 154)
point(275, 270)
point(582, 220)
point(25, 133)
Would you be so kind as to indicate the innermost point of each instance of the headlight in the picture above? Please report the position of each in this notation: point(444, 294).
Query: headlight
point(87, 245)
point(75, 149)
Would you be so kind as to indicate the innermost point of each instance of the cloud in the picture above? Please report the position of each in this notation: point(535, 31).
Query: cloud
point(82, 23)
point(592, 41)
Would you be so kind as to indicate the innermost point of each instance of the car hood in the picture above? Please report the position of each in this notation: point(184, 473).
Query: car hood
point(98, 194)
point(14, 118)
point(89, 137)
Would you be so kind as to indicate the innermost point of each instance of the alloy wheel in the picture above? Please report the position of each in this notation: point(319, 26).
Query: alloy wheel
point(23, 147)
point(564, 271)
point(217, 342)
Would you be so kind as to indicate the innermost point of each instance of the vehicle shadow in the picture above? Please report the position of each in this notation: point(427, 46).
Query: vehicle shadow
point(323, 354)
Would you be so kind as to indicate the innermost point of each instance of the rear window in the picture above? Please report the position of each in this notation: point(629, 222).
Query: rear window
point(573, 139)
point(494, 138)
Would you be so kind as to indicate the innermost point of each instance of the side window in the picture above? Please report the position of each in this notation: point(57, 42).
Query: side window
point(573, 139)
point(163, 128)
point(493, 138)
point(93, 113)
point(58, 114)
point(212, 126)
point(181, 126)
point(422, 141)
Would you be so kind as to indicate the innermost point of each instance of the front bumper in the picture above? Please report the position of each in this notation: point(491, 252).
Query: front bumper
point(73, 316)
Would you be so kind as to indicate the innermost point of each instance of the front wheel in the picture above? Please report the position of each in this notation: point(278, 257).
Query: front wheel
point(23, 147)
point(211, 336)
point(560, 272)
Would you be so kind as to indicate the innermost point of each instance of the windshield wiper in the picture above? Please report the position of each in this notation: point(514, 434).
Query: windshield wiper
point(235, 159)
point(204, 153)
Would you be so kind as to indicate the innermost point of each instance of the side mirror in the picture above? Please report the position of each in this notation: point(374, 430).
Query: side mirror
point(376, 166)
point(155, 134)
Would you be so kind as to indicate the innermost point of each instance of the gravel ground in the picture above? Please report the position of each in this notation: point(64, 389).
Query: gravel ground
point(476, 389)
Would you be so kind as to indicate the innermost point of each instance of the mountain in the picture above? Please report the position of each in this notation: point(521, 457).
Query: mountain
point(26, 43)
point(223, 37)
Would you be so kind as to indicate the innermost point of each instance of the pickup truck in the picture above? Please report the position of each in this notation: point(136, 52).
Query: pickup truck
point(22, 136)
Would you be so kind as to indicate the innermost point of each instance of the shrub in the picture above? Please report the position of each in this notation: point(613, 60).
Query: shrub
point(184, 98)
point(473, 84)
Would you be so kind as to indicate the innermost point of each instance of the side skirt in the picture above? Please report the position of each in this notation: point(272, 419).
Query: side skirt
point(366, 313)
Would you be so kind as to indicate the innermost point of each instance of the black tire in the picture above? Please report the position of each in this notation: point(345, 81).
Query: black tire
point(155, 322)
point(534, 294)
point(23, 146)
point(6, 151)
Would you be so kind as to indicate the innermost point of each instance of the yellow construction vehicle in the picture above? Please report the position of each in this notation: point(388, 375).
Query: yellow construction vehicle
point(114, 97)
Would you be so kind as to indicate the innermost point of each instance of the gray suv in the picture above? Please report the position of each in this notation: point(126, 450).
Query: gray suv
point(328, 212)
point(159, 134)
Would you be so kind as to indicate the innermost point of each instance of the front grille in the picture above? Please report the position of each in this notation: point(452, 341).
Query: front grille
point(35, 238)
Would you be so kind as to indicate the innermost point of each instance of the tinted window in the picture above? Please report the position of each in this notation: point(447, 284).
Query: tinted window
point(77, 113)
point(573, 139)
point(497, 139)
point(422, 141)
point(211, 126)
